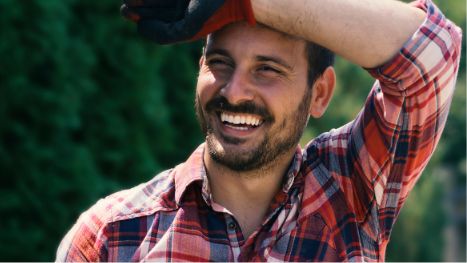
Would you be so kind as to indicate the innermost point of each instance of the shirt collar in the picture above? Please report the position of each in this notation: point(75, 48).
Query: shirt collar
point(193, 170)
point(292, 176)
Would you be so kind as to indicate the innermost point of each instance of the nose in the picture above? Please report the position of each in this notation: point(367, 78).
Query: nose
point(239, 88)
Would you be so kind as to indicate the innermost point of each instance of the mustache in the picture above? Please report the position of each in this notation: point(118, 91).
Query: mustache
point(220, 103)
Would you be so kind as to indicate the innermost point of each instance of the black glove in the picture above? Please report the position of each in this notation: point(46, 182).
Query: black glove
point(171, 21)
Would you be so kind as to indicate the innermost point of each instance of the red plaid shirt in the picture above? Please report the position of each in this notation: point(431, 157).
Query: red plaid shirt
point(341, 195)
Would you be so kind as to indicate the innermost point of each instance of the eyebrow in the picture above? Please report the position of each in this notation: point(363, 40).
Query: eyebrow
point(261, 58)
point(217, 51)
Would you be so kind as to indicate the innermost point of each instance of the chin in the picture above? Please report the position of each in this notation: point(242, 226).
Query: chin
point(236, 157)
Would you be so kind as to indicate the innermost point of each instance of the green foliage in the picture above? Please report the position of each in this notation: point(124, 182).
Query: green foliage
point(438, 203)
point(86, 110)
point(87, 107)
point(418, 234)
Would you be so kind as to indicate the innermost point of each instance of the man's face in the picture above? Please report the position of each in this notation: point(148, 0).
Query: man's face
point(252, 97)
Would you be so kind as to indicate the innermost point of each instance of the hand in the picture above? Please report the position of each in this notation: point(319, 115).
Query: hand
point(171, 21)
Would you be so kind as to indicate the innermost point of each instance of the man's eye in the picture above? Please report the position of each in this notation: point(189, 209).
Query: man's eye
point(266, 68)
point(220, 62)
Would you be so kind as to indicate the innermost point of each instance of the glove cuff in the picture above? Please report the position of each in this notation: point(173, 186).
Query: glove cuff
point(247, 11)
point(231, 11)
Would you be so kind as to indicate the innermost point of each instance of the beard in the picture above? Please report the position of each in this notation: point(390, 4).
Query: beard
point(276, 141)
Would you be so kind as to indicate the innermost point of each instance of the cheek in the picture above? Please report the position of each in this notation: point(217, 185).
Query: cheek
point(284, 107)
point(205, 87)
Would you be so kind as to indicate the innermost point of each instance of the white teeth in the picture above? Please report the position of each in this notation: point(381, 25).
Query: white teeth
point(243, 120)
point(238, 128)
point(249, 120)
point(240, 119)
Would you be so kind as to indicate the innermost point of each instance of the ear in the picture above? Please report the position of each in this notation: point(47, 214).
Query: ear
point(201, 61)
point(322, 91)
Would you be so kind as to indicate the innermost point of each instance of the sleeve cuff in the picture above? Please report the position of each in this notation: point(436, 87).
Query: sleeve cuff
point(423, 56)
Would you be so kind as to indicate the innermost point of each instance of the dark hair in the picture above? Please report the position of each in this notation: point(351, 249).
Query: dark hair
point(319, 58)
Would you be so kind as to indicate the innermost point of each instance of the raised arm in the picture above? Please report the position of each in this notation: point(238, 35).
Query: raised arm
point(366, 32)
point(383, 152)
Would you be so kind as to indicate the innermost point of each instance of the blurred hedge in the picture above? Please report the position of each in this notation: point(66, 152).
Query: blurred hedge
point(87, 107)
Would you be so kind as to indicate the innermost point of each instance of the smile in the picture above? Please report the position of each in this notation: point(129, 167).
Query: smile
point(240, 121)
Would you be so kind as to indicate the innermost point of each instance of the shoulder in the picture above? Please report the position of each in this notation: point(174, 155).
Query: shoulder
point(328, 164)
point(141, 200)
point(332, 143)
point(144, 199)
point(326, 159)
point(87, 239)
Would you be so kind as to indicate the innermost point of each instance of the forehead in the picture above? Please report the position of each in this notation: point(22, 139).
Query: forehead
point(258, 40)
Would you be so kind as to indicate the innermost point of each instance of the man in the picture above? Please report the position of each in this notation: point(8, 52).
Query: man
point(249, 192)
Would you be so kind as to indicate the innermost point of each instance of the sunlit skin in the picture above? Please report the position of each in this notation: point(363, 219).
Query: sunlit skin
point(270, 76)
point(269, 72)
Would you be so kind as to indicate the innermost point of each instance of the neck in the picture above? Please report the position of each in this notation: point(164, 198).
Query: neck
point(247, 194)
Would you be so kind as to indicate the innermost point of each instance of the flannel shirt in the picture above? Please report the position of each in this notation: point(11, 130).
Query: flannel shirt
point(341, 194)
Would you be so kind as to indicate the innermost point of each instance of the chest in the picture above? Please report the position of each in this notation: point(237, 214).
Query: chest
point(204, 235)
point(220, 239)
point(316, 224)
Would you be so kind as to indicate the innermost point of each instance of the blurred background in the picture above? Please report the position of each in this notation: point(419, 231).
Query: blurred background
point(87, 108)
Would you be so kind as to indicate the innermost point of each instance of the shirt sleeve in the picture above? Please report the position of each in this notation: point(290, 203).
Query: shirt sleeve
point(394, 136)
point(86, 240)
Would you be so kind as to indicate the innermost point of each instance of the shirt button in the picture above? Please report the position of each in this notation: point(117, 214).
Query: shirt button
point(232, 226)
